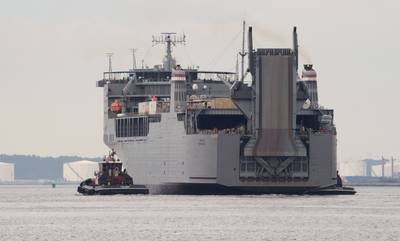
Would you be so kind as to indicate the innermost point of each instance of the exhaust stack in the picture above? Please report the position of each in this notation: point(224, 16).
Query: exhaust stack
point(295, 48)
point(309, 77)
point(178, 90)
point(251, 53)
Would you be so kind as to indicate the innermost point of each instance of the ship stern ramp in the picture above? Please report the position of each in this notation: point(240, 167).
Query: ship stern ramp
point(276, 158)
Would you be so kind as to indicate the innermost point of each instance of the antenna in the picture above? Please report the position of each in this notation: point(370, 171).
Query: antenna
point(169, 39)
point(296, 47)
point(133, 58)
point(165, 38)
point(109, 55)
point(251, 53)
point(243, 53)
point(237, 68)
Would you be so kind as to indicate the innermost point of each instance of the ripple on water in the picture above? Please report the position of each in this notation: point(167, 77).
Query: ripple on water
point(44, 213)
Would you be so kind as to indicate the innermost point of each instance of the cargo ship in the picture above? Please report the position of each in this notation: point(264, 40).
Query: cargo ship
point(189, 131)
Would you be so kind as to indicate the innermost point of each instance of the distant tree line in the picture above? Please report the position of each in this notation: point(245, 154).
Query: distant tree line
point(36, 167)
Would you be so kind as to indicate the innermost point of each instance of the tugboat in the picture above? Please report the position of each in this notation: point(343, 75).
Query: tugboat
point(111, 179)
point(337, 189)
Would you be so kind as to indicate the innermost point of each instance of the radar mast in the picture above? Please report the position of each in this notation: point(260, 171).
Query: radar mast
point(169, 39)
point(243, 53)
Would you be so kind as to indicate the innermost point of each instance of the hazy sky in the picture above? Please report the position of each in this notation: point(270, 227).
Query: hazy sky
point(52, 52)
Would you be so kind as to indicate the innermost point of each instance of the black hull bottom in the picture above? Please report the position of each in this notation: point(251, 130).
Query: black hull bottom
point(98, 190)
point(216, 189)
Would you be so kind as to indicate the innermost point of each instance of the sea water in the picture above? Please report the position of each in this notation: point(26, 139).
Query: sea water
point(40, 212)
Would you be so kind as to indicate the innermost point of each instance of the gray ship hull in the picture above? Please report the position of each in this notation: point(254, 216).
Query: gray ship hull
point(218, 189)
point(169, 161)
point(207, 132)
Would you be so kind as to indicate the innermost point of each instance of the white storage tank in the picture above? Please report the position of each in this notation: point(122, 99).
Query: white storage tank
point(79, 170)
point(6, 172)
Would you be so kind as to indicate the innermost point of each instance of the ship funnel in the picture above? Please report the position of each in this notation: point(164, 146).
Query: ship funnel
point(178, 90)
point(308, 73)
point(308, 67)
point(309, 77)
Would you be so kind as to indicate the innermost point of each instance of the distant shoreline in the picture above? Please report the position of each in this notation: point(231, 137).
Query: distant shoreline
point(388, 184)
point(38, 183)
point(49, 183)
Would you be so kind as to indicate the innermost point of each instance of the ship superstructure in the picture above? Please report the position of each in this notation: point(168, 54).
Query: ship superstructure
point(183, 130)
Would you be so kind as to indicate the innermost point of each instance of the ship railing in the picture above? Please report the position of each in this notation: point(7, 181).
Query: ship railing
point(222, 76)
point(228, 131)
point(125, 76)
point(201, 75)
point(305, 132)
point(119, 75)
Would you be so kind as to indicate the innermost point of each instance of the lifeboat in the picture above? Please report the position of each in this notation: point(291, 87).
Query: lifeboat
point(116, 106)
